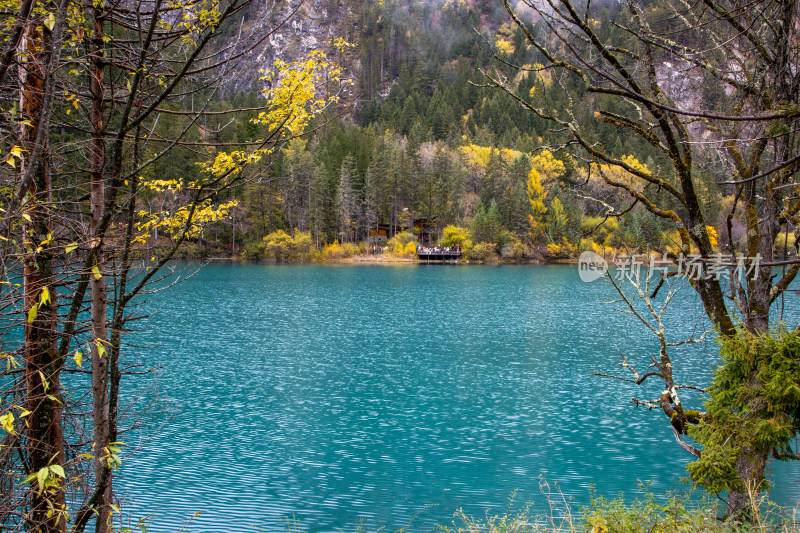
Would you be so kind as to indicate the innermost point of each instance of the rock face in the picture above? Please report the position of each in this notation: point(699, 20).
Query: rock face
point(283, 31)
point(684, 87)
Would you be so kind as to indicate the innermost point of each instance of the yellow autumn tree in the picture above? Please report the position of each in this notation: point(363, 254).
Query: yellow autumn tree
point(548, 167)
point(478, 156)
point(116, 76)
point(536, 196)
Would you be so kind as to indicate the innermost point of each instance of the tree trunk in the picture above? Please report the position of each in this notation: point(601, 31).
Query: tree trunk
point(750, 467)
point(45, 439)
point(762, 231)
point(98, 293)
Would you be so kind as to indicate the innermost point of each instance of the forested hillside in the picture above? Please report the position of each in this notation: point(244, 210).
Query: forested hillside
point(418, 138)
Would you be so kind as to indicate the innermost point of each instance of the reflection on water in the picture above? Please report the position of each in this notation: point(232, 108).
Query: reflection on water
point(339, 395)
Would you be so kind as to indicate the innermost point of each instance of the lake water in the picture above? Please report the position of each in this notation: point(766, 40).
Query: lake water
point(339, 395)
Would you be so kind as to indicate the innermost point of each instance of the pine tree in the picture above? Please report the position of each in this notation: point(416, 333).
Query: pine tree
point(494, 223)
point(346, 204)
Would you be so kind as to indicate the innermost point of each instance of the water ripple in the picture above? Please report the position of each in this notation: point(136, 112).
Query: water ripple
point(336, 395)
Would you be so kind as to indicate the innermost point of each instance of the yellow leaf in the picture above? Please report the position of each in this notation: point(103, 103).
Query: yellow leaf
point(70, 247)
point(34, 310)
point(45, 296)
point(50, 21)
point(7, 421)
point(101, 350)
point(27, 217)
point(96, 272)
point(78, 358)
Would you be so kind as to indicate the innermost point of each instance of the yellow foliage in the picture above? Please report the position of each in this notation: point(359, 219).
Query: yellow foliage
point(196, 17)
point(592, 246)
point(548, 167)
point(281, 246)
point(294, 86)
point(401, 243)
point(478, 156)
point(632, 162)
point(504, 46)
point(293, 101)
point(562, 250)
point(482, 251)
point(713, 236)
point(618, 174)
point(601, 230)
point(453, 236)
point(536, 196)
point(336, 251)
point(7, 422)
point(181, 219)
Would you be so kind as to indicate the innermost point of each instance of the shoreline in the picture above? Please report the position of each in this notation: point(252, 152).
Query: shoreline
point(382, 259)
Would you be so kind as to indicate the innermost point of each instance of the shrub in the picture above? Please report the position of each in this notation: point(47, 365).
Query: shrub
point(645, 515)
point(336, 251)
point(303, 245)
point(254, 250)
point(278, 245)
point(281, 246)
point(601, 230)
point(399, 243)
point(561, 250)
point(453, 236)
point(483, 251)
point(191, 250)
point(513, 250)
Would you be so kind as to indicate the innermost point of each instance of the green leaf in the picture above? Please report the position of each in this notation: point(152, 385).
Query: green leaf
point(42, 476)
point(57, 470)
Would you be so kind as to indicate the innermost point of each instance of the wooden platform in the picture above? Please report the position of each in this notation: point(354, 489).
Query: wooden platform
point(429, 255)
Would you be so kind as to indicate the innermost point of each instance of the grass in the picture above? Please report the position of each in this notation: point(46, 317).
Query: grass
point(645, 514)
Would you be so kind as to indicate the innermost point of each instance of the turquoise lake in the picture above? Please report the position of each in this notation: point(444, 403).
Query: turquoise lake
point(333, 396)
